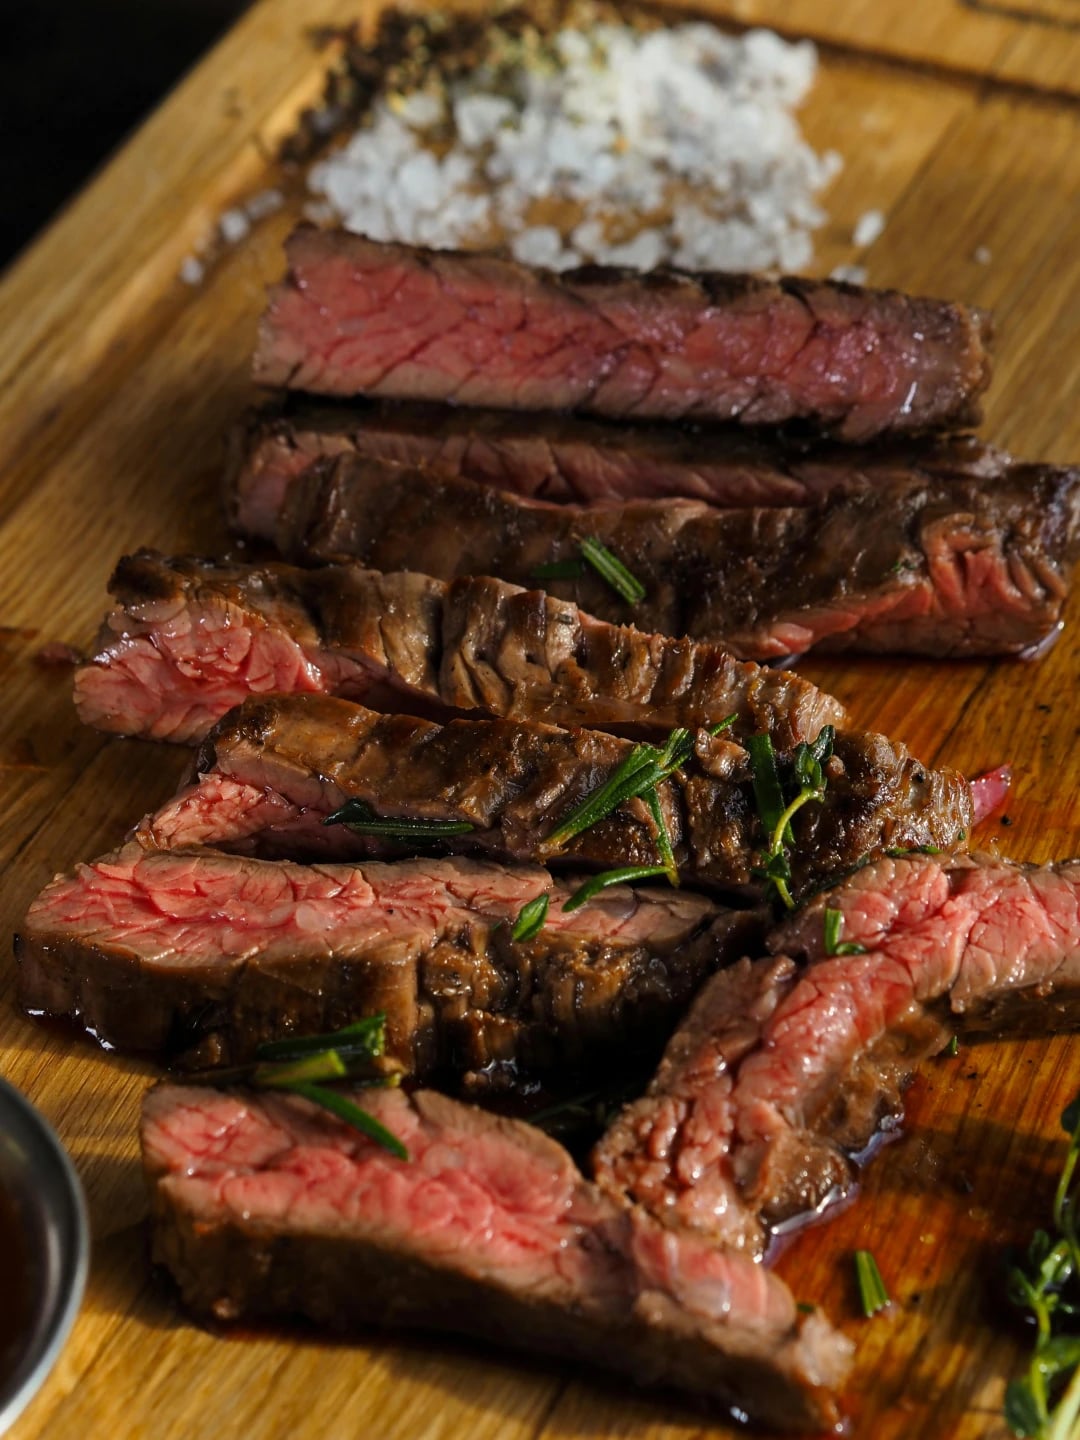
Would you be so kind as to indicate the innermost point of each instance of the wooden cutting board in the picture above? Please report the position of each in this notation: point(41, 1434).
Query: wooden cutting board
point(958, 121)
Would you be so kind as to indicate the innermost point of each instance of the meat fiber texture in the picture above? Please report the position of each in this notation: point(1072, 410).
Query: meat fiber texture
point(568, 458)
point(354, 317)
point(209, 955)
point(273, 770)
point(190, 639)
point(263, 1207)
point(977, 567)
point(780, 1074)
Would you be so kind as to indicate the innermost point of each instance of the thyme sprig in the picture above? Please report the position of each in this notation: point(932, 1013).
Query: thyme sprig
point(307, 1065)
point(1045, 1404)
point(776, 810)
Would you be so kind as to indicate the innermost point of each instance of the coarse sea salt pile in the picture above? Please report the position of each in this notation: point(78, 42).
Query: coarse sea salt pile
point(676, 145)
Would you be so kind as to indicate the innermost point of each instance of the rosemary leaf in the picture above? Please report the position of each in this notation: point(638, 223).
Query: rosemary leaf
point(872, 1292)
point(347, 1110)
point(663, 837)
point(359, 817)
point(610, 568)
point(530, 920)
point(768, 796)
point(368, 1035)
point(283, 1075)
point(834, 921)
point(624, 876)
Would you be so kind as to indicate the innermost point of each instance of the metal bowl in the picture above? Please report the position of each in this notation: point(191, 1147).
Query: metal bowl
point(46, 1197)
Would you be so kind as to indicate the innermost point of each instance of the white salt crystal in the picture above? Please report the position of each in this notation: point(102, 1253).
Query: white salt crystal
point(852, 274)
point(192, 271)
point(266, 202)
point(421, 109)
point(539, 245)
point(234, 225)
point(477, 117)
point(982, 255)
point(867, 228)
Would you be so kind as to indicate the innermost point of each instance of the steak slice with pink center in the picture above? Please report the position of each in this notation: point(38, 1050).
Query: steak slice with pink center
point(263, 1207)
point(191, 638)
point(780, 1074)
point(209, 955)
point(567, 458)
point(355, 317)
point(922, 566)
point(273, 770)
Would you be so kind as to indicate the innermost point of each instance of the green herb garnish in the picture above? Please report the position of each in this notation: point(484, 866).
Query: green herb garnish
point(641, 771)
point(359, 817)
point(308, 1064)
point(530, 920)
point(952, 1049)
point(663, 836)
point(1045, 1404)
point(834, 923)
point(775, 810)
point(347, 1110)
point(625, 876)
point(872, 1292)
point(610, 568)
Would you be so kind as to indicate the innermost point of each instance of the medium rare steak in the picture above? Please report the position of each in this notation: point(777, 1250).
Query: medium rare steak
point(272, 771)
point(965, 567)
point(191, 638)
point(209, 955)
point(780, 1074)
point(487, 1230)
point(563, 457)
point(355, 317)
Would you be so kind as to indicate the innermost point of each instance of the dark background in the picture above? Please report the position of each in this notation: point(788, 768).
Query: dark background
point(76, 76)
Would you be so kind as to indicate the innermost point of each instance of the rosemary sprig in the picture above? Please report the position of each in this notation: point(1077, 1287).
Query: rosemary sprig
point(834, 924)
point(624, 876)
point(775, 810)
point(610, 568)
point(308, 1064)
point(663, 836)
point(531, 917)
point(347, 1110)
point(359, 817)
point(641, 771)
point(872, 1292)
point(1045, 1404)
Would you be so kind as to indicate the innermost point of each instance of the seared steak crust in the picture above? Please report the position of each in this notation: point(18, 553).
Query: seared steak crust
point(966, 567)
point(272, 770)
point(512, 1247)
point(208, 955)
point(355, 317)
point(191, 638)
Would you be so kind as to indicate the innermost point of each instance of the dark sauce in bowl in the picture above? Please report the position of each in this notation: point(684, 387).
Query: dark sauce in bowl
point(17, 1285)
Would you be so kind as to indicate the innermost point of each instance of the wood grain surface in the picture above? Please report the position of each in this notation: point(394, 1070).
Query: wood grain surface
point(116, 382)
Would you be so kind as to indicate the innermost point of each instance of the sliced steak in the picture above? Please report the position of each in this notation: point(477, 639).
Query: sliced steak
point(209, 955)
point(354, 317)
point(262, 1207)
point(274, 769)
point(922, 567)
point(564, 457)
point(781, 1074)
point(190, 639)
